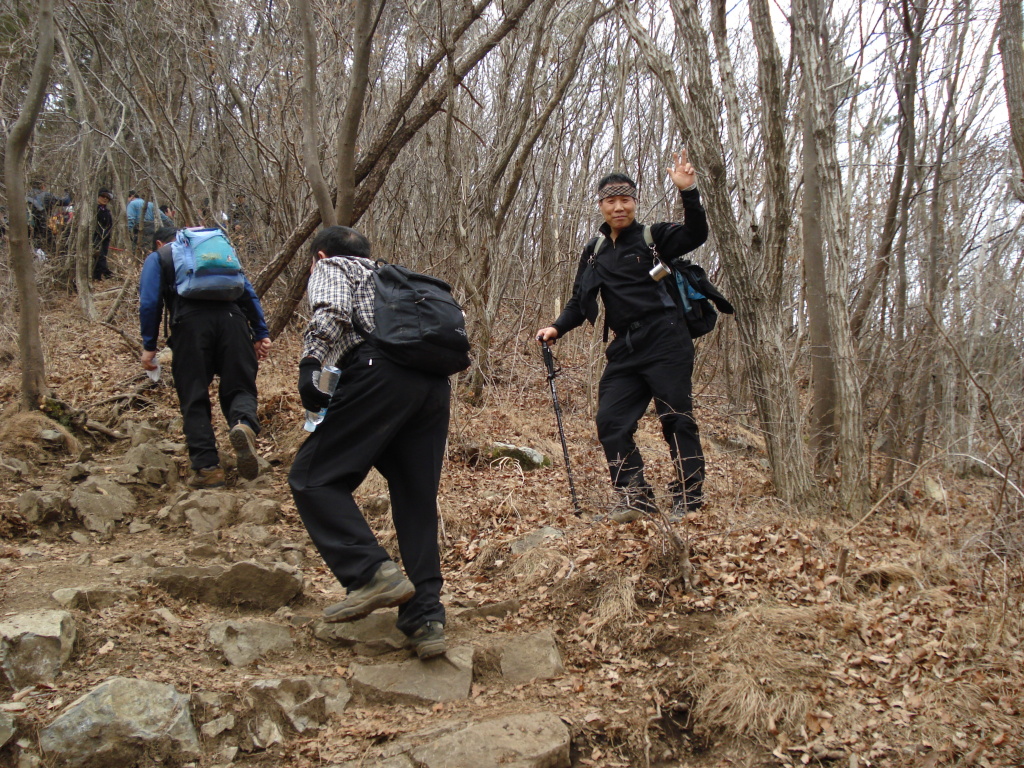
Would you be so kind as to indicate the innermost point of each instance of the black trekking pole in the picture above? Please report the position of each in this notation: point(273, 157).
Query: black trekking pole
point(549, 363)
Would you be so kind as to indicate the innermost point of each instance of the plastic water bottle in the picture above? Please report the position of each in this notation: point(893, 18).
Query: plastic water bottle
point(328, 380)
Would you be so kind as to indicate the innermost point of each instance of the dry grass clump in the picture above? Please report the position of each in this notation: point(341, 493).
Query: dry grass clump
point(750, 681)
point(21, 434)
point(540, 565)
point(615, 606)
point(886, 575)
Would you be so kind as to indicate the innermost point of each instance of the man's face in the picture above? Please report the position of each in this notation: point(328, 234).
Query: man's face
point(103, 200)
point(619, 211)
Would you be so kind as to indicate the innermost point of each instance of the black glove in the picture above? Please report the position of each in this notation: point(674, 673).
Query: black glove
point(309, 373)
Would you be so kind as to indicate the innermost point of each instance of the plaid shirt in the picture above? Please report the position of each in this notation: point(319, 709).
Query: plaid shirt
point(340, 290)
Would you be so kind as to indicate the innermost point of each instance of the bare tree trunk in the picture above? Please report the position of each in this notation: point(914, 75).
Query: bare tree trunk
point(83, 221)
point(823, 369)
point(30, 344)
point(906, 154)
point(358, 82)
point(311, 110)
point(398, 130)
point(1011, 48)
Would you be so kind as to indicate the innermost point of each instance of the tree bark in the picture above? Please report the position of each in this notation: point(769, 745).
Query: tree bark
point(30, 344)
point(1011, 48)
point(815, 54)
point(358, 82)
point(311, 110)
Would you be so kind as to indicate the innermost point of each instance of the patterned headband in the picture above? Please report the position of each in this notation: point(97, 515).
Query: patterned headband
point(615, 190)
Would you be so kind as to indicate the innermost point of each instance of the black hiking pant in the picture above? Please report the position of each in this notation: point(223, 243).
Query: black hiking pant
point(395, 419)
point(207, 342)
point(653, 359)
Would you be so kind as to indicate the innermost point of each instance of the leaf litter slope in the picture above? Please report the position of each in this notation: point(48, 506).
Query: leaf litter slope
point(903, 650)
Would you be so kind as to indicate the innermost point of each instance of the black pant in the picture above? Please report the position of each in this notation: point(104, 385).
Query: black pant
point(101, 246)
point(395, 419)
point(208, 342)
point(653, 360)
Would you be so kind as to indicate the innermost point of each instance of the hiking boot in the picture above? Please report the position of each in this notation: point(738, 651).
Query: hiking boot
point(243, 440)
point(386, 589)
point(210, 477)
point(632, 503)
point(428, 640)
point(684, 501)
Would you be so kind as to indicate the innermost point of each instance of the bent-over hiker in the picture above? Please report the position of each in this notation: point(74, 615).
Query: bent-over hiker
point(208, 338)
point(382, 415)
point(652, 353)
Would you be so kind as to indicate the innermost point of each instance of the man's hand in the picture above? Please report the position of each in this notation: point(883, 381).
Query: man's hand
point(547, 334)
point(682, 173)
point(309, 375)
point(262, 348)
point(147, 357)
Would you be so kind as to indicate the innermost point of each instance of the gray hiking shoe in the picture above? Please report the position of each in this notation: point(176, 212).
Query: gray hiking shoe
point(632, 503)
point(428, 641)
point(243, 440)
point(386, 589)
point(684, 501)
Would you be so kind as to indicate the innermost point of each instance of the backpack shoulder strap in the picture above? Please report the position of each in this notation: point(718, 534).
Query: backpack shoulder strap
point(599, 242)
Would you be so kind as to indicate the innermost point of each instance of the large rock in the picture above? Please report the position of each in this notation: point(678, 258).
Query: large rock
point(100, 504)
point(291, 705)
point(538, 740)
point(246, 583)
point(121, 722)
point(206, 510)
point(92, 598)
point(153, 465)
point(527, 458)
point(535, 539)
point(47, 505)
point(34, 646)
point(444, 678)
point(242, 642)
point(260, 512)
point(531, 657)
point(372, 636)
point(7, 728)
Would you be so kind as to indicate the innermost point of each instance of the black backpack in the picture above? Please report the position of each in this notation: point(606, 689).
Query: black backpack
point(418, 322)
point(696, 296)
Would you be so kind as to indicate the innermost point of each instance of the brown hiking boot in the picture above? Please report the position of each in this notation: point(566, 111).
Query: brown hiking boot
point(386, 589)
point(243, 440)
point(211, 477)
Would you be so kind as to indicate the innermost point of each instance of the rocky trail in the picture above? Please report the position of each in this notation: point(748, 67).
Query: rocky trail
point(142, 623)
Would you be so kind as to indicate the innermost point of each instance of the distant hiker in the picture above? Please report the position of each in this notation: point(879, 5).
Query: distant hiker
point(167, 215)
point(41, 203)
point(101, 235)
point(382, 415)
point(142, 221)
point(652, 353)
point(241, 213)
point(208, 337)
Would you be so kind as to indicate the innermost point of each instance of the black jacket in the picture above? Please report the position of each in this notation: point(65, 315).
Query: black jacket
point(620, 272)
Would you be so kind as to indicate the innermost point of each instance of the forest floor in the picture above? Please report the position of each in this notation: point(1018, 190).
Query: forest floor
point(884, 639)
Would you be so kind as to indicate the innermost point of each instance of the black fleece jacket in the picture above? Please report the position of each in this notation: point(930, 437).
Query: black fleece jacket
point(620, 272)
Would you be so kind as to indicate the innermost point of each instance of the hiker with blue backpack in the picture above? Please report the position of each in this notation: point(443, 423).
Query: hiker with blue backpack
point(634, 268)
point(396, 336)
point(217, 329)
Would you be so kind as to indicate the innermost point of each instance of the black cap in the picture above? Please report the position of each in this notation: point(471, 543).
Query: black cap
point(104, 192)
